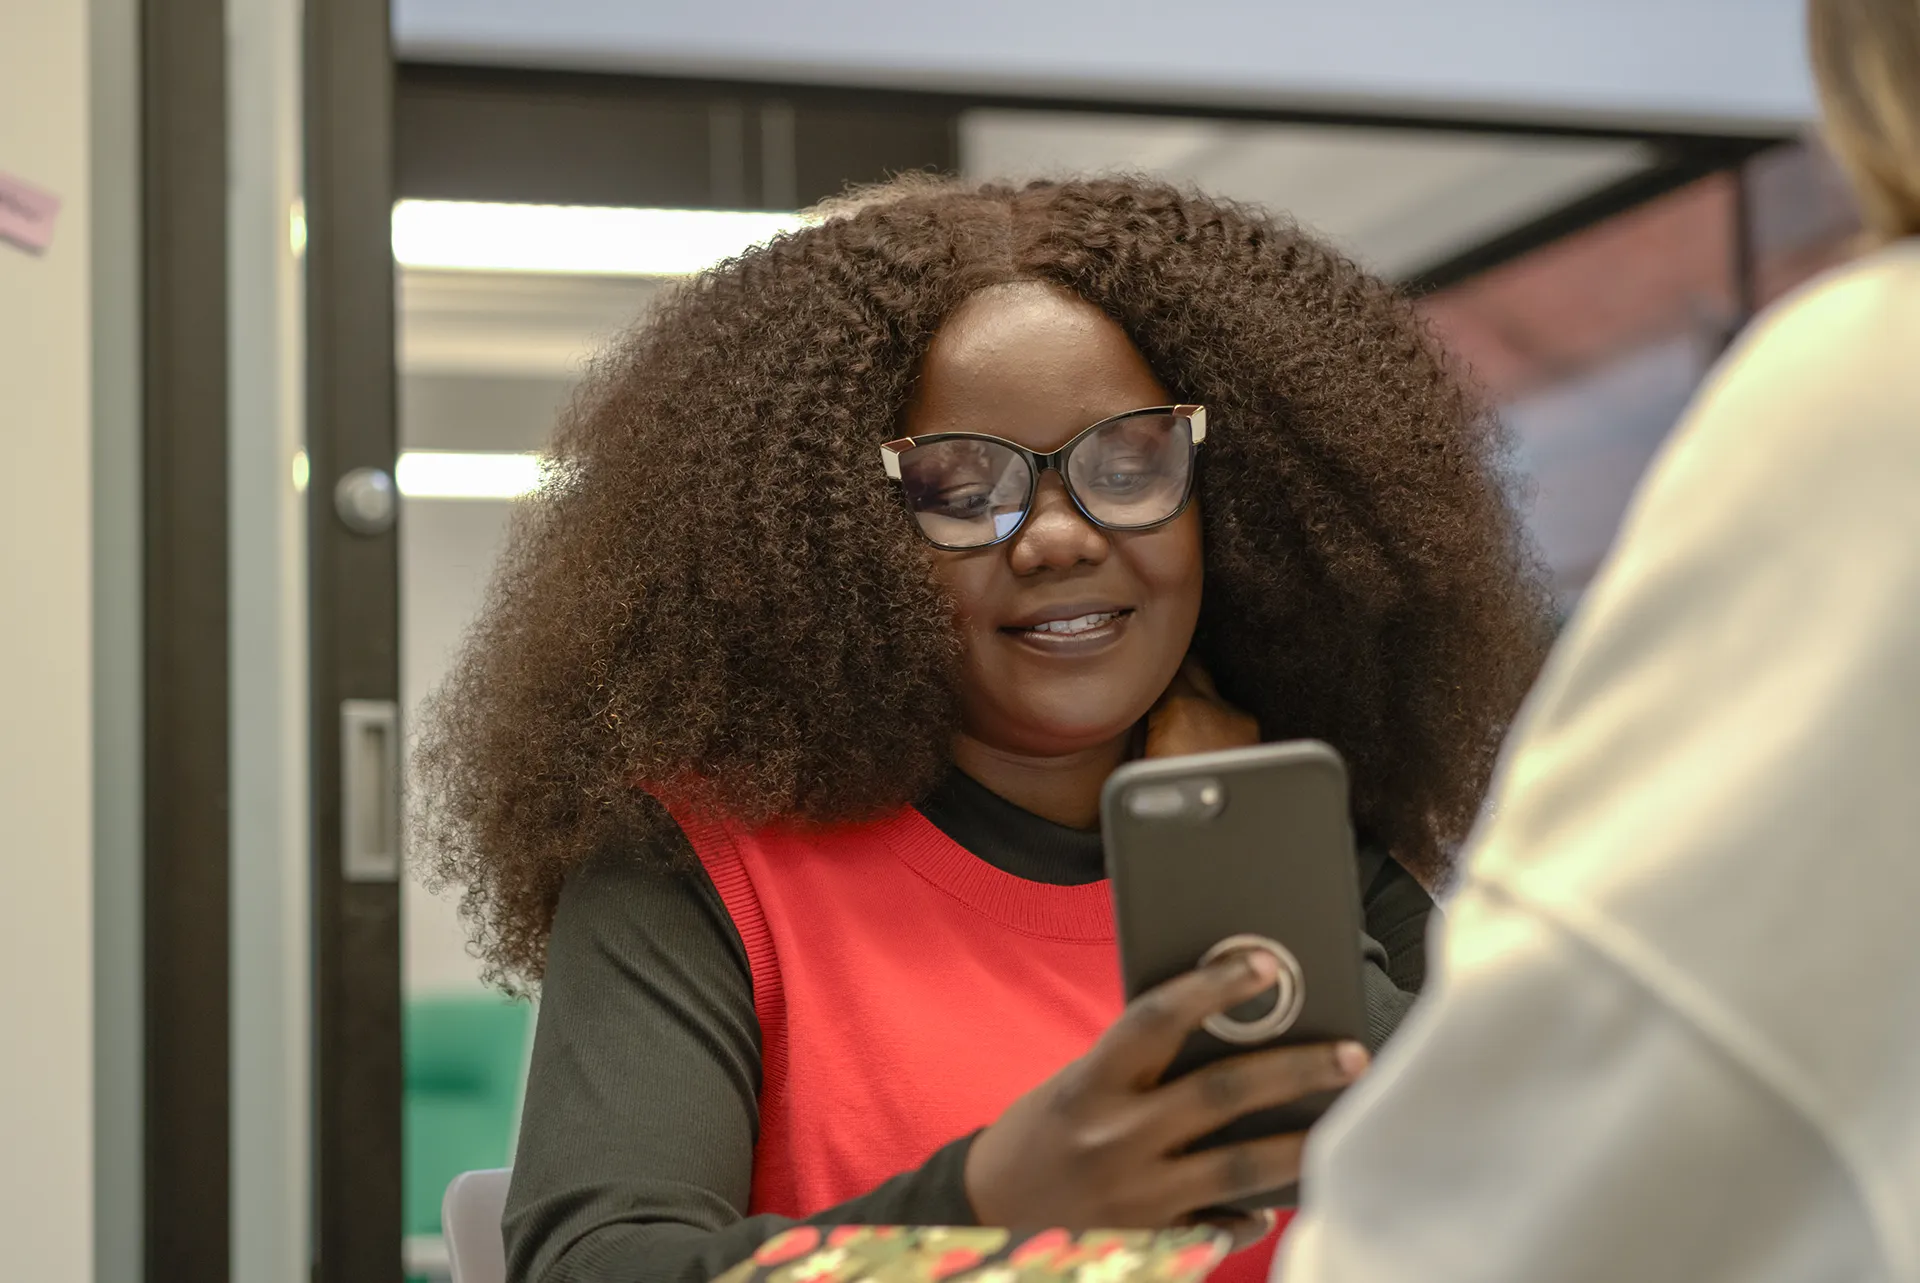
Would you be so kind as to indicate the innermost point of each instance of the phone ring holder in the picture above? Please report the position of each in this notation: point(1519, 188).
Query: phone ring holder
point(1290, 984)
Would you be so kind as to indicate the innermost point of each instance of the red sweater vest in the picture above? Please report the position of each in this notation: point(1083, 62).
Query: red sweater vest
point(907, 993)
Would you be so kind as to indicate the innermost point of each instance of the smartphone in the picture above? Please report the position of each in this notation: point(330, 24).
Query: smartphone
point(1247, 848)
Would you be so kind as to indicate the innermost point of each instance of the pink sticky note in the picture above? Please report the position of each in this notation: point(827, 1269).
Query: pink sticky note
point(26, 213)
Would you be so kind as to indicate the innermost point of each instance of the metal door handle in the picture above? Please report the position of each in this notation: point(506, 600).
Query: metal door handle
point(370, 790)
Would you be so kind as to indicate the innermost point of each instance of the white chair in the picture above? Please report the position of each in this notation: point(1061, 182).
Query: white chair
point(470, 1217)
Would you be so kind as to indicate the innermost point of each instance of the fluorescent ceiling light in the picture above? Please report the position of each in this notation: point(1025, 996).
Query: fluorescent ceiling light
point(463, 474)
point(591, 240)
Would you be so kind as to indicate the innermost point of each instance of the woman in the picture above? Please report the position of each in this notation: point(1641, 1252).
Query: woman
point(1689, 924)
point(776, 755)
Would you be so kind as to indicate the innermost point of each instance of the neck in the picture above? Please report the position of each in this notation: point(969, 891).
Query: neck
point(1064, 789)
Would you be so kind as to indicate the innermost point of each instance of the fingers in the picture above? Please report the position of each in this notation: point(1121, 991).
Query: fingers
point(1191, 717)
point(1136, 1050)
point(1214, 1095)
point(1233, 1172)
point(1199, 678)
point(1181, 687)
point(1191, 682)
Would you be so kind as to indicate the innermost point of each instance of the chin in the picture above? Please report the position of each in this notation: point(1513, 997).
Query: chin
point(1058, 732)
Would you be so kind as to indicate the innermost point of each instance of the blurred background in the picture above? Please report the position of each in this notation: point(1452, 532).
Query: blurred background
point(328, 275)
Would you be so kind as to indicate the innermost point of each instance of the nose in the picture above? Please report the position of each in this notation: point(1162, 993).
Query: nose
point(1056, 535)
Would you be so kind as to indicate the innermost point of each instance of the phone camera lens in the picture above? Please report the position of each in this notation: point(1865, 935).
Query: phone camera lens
point(1156, 802)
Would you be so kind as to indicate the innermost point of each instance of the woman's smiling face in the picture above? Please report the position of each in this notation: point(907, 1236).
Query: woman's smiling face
point(1035, 365)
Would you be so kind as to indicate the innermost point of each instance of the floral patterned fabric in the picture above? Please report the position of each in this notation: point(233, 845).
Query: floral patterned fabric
point(893, 1254)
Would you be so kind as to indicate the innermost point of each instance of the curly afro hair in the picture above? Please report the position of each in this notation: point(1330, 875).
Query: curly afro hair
point(718, 593)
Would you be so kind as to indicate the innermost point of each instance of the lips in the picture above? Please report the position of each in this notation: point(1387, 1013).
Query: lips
point(1075, 626)
point(1071, 619)
point(1075, 631)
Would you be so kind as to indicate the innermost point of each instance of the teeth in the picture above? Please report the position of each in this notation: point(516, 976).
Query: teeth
point(1080, 625)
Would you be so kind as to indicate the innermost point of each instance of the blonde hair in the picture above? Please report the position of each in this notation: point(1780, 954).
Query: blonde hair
point(1866, 59)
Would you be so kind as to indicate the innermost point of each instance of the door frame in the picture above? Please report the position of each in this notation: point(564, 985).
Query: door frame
point(353, 630)
point(185, 937)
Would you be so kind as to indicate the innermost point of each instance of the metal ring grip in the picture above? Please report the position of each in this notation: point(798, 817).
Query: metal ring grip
point(1290, 982)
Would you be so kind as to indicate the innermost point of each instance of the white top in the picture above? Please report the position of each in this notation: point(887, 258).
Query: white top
point(1674, 1032)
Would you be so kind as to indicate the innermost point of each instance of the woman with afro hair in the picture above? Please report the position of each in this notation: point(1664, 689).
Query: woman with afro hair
point(774, 756)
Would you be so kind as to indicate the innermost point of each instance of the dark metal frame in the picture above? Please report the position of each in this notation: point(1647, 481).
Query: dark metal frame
point(502, 80)
point(503, 135)
point(354, 620)
point(184, 615)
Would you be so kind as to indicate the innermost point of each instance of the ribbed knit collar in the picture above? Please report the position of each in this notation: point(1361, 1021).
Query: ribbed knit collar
point(1011, 839)
point(1037, 877)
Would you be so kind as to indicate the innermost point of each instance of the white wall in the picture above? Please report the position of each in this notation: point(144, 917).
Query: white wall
point(1730, 64)
point(46, 764)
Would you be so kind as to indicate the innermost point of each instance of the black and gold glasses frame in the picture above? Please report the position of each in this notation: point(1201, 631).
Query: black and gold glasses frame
point(1130, 471)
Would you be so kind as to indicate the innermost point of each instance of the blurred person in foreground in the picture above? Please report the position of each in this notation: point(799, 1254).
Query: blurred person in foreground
point(1675, 1029)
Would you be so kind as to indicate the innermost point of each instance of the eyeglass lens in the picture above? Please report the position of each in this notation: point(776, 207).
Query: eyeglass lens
point(967, 492)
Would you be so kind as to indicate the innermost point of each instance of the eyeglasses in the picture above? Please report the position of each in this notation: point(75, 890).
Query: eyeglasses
point(968, 490)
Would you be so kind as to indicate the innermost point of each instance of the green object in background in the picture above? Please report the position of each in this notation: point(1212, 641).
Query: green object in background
point(465, 1059)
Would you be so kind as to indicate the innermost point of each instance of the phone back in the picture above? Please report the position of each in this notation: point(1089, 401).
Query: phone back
point(1258, 843)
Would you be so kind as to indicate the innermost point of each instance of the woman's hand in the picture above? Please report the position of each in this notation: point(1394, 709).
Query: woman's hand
point(1192, 718)
point(1099, 1145)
